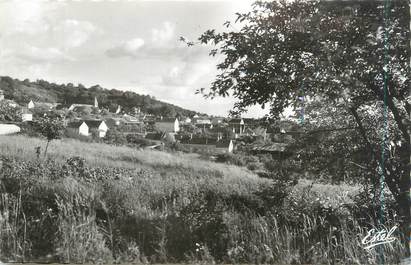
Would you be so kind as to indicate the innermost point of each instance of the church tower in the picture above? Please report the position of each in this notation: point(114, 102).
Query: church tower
point(95, 102)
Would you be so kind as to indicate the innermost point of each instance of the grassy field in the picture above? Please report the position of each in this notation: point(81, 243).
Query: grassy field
point(103, 155)
point(129, 205)
point(175, 166)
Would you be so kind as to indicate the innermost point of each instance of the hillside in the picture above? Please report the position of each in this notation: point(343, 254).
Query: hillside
point(119, 204)
point(67, 94)
point(160, 164)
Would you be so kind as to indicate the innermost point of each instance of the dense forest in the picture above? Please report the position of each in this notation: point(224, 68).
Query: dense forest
point(67, 94)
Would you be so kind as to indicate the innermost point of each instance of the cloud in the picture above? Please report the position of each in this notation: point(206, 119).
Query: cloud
point(190, 74)
point(41, 55)
point(160, 44)
point(163, 35)
point(27, 17)
point(74, 33)
point(127, 49)
point(39, 21)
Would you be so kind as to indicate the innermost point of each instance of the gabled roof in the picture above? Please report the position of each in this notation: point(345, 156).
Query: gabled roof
point(75, 124)
point(93, 123)
point(46, 104)
point(73, 107)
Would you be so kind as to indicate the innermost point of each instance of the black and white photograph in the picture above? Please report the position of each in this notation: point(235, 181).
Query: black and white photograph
point(205, 132)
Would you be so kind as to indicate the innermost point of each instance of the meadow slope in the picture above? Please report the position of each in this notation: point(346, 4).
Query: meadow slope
point(93, 202)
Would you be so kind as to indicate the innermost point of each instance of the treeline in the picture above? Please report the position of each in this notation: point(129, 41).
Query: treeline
point(67, 94)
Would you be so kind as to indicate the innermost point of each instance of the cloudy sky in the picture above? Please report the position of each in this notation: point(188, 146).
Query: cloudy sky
point(128, 45)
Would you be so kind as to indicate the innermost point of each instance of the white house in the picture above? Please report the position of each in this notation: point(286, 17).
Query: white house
point(1, 95)
point(98, 127)
point(168, 125)
point(237, 126)
point(79, 127)
point(26, 115)
point(30, 105)
point(203, 122)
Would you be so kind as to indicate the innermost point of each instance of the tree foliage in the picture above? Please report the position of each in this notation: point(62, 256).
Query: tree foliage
point(8, 112)
point(289, 49)
point(68, 94)
point(51, 127)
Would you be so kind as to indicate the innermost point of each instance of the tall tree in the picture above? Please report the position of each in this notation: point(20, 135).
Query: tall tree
point(352, 53)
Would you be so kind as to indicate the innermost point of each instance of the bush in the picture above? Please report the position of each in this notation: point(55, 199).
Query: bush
point(115, 137)
point(137, 140)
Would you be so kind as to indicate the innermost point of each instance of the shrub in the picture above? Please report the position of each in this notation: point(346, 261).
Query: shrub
point(136, 140)
point(115, 137)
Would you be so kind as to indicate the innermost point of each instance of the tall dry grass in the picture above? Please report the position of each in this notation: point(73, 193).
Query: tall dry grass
point(127, 205)
point(104, 155)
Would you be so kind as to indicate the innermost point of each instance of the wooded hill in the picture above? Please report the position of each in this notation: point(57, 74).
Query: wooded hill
point(66, 94)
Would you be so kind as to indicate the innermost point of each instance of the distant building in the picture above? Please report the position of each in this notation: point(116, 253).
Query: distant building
point(89, 127)
point(73, 107)
point(26, 115)
point(30, 105)
point(78, 127)
point(46, 105)
point(202, 122)
point(97, 127)
point(1, 95)
point(237, 126)
point(168, 125)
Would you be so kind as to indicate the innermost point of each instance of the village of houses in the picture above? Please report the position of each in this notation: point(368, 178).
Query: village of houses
point(203, 133)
